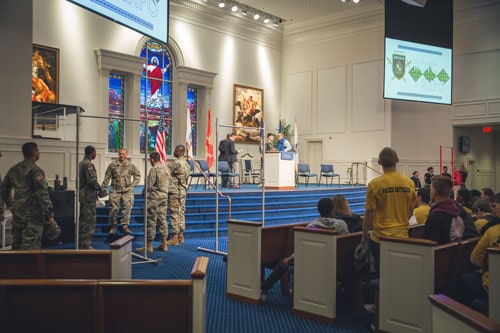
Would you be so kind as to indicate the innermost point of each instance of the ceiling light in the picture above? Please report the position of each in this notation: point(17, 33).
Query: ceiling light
point(222, 4)
point(267, 20)
point(276, 22)
point(234, 8)
point(355, 1)
point(244, 11)
point(256, 16)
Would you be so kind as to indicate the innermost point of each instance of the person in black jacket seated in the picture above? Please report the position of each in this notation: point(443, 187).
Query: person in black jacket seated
point(448, 221)
point(342, 211)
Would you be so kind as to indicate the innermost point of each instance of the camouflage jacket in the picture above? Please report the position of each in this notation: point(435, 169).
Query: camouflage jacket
point(124, 176)
point(157, 183)
point(89, 186)
point(180, 170)
point(31, 198)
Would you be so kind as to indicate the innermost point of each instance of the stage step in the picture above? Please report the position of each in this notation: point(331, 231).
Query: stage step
point(280, 207)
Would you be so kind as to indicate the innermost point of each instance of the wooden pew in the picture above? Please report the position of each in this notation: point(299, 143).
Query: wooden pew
point(410, 270)
point(105, 306)
point(323, 258)
point(451, 316)
point(69, 264)
point(252, 248)
point(494, 283)
point(416, 231)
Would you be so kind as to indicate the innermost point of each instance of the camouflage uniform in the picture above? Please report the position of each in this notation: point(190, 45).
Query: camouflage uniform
point(179, 169)
point(157, 192)
point(87, 196)
point(124, 177)
point(31, 206)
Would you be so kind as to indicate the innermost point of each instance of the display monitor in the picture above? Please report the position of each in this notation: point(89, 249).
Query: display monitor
point(465, 144)
point(417, 72)
point(149, 17)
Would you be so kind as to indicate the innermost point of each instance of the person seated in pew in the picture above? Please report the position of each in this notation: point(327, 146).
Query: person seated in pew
point(463, 197)
point(471, 289)
point(326, 221)
point(484, 218)
point(448, 219)
point(342, 212)
point(475, 195)
point(422, 211)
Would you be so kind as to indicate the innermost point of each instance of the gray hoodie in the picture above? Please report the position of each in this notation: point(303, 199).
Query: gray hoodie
point(330, 223)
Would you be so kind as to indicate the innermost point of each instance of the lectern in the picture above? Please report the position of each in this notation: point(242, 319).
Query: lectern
point(279, 170)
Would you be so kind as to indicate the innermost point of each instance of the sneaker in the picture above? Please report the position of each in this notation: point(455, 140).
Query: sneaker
point(112, 230)
point(370, 308)
point(263, 296)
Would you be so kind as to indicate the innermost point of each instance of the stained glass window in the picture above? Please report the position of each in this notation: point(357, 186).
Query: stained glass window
point(156, 95)
point(192, 106)
point(116, 112)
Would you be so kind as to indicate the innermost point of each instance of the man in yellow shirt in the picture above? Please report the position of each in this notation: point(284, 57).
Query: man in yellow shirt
point(390, 200)
point(422, 211)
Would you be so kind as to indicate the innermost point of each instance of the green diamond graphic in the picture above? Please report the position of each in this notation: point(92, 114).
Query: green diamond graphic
point(415, 73)
point(443, 76)
point(429, 75)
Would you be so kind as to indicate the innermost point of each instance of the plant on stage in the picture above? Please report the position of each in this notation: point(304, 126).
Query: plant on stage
point(288, 133)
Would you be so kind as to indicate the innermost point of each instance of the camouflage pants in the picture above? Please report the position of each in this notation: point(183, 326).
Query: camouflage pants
point(87, 222)
point(26, 233)
point(157, 215)
point(177, 207)
point(127, 201)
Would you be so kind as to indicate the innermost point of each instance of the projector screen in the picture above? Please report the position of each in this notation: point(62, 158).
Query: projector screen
point(417, 72)
point(149, 17)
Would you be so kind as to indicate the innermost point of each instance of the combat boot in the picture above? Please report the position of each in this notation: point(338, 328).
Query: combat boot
point(181, 237)
point(163, 246)
point(149, 248)
point(174, 240)
point(112, 230)
point(126, 230)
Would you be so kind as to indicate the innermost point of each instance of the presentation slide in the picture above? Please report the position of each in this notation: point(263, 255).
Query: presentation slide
point(417, 72)
point(149, 17)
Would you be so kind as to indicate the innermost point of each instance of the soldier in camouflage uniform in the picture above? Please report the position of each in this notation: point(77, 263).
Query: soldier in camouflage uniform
point(89, 188)
point(156, 191)
point(31, 206)
point(124, 177)
point(179, 169)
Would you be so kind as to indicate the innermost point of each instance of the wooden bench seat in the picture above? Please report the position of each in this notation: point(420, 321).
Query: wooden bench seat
point(69, 264)
point(410, 270)
point(105, 306)
point(451, 316)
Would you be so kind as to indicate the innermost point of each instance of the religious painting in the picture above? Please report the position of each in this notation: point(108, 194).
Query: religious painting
point(248, 113)
point(45, 74)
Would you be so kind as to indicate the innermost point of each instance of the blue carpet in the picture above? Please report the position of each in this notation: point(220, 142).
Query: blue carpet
point(224, 315)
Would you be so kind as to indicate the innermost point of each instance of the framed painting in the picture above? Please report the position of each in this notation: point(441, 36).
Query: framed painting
point(45, 74)
point(248, 113)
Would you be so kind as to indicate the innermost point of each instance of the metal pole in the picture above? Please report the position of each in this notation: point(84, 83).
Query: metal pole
point(76, 218)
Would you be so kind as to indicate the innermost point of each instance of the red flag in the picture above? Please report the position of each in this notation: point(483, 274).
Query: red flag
point(160, 139)
point(209, 142)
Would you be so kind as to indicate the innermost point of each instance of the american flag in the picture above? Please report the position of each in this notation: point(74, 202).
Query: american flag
point(160, 139)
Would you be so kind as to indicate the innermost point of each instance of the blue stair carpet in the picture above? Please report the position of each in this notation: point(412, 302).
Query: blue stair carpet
point(299, 205)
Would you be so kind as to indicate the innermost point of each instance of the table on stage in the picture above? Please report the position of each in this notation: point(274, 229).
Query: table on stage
point(279, 170)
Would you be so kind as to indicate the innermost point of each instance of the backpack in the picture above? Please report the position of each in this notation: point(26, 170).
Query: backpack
point(354, 222)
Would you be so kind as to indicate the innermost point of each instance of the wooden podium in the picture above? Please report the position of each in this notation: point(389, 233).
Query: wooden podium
point(279, 172)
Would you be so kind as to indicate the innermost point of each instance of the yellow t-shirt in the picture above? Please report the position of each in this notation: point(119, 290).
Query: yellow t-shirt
point(480, 223)
point(421, 213)
point(491, 238)
point(393, 198)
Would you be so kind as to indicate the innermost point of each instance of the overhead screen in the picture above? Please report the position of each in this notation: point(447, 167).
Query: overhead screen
point(149, 17)
point(418, 51)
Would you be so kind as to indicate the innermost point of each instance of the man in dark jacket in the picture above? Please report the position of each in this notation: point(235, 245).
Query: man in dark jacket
point(222, 157)
point(231, 154)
